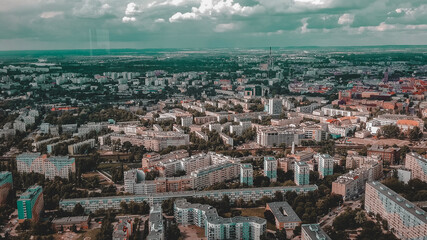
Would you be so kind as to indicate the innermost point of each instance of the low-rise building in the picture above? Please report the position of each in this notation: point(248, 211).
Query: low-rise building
point(284, 215)
point(67, 223)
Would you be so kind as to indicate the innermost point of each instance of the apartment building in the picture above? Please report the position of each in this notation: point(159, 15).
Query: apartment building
point(77, 147)
point(417, 164)
point(246, 194)
point(227, 139)
point(247, 174)
point(302, 173)
point(313, 232)
point(30, 204)
point(352, 184)
point(124, 229)
point(273, 136)
point(153, 159)
point(6, 184)
point(274, 106)
point(154, 140)
point(156, 229)
point(135, 183)
point(50, 167)
point(270, 168)
point(216, 227)
point(388, 155)
point(326, 165)
point(215, 174)
point(406, 220)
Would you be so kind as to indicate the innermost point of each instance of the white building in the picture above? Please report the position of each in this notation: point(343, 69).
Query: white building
point(274, 106)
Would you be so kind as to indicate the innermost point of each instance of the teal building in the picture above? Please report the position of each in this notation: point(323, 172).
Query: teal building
point(30, 204)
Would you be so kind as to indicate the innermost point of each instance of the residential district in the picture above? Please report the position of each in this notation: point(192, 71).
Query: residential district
point(310, 144)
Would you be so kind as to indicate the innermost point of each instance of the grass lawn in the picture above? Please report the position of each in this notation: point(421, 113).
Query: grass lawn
point(257, 212)
point(91, 233)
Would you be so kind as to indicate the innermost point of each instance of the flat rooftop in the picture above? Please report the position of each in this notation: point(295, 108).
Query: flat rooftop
point(400, 201)
point(283, 212)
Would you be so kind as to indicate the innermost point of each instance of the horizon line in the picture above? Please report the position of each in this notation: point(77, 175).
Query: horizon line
point(276, 47)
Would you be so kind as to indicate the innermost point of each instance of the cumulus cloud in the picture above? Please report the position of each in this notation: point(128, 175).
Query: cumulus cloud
point(213, 8)
point(51, 14)
point(128, 19)
point(346, 19)
point(183, 16)
point(132, 9)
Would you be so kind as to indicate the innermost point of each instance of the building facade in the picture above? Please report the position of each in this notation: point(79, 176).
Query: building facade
point(270, 168)
point(247, 174)
point(6, 184)
point(326, 165)
point(284, 216)
point(30, 204)
point(216, 227)
point(50, 167)
point(302, 173)
point(405, 220)
point(313, 232)
point(418, 166)
point(246, 194)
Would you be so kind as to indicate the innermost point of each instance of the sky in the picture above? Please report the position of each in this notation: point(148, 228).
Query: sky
point(109, 24)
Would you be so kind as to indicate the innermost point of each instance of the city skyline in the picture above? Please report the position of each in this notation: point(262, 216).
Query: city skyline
point(107, 24)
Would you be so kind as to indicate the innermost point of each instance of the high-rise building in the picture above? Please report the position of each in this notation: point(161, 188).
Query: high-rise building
point(50, 167)
point(302, 173)
point(274, 106)
point(313, 232)
point(217, 227)
point(247, 174)
point(6, 184)
point(326, 165)
point(418, 166)
point(270, 168)
point(405, 220)
point(30, 204)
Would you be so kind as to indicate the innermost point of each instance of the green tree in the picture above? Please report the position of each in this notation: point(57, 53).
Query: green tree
point(78, 210)
point(390, 131)
point(415, 134)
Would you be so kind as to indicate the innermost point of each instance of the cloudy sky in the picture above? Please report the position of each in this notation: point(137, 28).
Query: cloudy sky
point(82, 24)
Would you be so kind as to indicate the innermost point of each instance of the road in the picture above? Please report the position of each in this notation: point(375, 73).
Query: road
point(328, 220)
